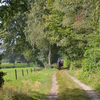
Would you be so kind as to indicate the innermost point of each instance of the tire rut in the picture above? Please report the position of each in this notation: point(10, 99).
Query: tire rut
point(53, 95)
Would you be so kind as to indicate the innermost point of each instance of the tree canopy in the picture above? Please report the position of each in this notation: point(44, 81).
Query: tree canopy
point(48, 29)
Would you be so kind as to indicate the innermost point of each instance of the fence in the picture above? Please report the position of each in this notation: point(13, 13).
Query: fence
point(27, 71)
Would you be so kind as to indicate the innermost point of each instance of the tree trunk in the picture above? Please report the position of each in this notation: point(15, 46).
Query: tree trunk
point(28, 64)
point(49, 55)
point(14, 64)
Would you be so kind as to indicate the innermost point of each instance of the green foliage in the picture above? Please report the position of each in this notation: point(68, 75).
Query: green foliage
point(88, 65)
point(66, 62)
point(12, 7)
point(75, 64)
point(1, 73)
point(91, 79)
point(73, 25)
point(91, 60)
point(54, 65)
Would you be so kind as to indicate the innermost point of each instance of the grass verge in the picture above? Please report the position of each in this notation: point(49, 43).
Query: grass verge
point(69, 90)
point(91, 79)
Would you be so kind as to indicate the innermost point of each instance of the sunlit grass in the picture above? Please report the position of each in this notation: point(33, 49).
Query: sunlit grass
point(31, 86)
point(17, 65)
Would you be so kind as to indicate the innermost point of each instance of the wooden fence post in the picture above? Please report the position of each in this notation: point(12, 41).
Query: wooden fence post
point(31, 70)
point(27, 71)
point(22, 72)
point(16, 74)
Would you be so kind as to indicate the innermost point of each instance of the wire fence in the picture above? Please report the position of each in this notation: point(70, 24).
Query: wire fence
point(26, 72)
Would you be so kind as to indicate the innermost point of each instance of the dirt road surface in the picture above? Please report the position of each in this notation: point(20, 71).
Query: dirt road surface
point(54, 90)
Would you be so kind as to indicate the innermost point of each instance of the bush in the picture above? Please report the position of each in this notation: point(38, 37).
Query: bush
point(91, 61)
point(88, 64)
point(47, 66)
point(75, 64)
point(1, 78)
point(72, 67)
point(66, 62)
point(98, 64)
point(1, 73)
point(54, 65)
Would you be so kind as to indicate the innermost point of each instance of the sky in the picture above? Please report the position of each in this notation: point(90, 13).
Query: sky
point(2, 3)
point(0, 47)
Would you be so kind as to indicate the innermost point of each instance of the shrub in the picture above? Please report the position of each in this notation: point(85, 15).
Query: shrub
point(98, 64)
point(1, 73)
point(88, 64)
point(1, 78)
point(91, 61)
point(54, 65)
point(75, 64)
point(66, 62)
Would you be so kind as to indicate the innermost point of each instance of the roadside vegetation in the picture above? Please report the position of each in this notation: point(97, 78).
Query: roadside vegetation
point(91, 79)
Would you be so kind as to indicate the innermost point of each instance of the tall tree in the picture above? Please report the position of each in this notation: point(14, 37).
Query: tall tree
point(35, 32)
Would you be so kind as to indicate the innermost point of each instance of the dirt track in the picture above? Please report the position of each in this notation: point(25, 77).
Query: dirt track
point(90, 92)
point(54, 90)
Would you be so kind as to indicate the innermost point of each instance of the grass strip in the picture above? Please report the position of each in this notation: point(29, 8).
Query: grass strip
point(69, 90)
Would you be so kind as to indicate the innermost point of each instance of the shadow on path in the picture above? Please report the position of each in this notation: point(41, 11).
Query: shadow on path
point(15, 95)
point(73, 94)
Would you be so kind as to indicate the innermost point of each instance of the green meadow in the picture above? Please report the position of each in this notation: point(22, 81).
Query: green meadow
point(17, 65)
point(32, 86)
point(36, 85)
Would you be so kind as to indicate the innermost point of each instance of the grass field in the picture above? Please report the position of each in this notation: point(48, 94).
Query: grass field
point(37, 85)
point(17, 65)
point(32, 86)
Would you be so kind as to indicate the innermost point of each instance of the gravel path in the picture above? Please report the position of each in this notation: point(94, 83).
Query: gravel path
point(90, 92)
point(54, 90)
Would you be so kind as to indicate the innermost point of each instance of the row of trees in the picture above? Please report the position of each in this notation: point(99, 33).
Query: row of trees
point(43, 30)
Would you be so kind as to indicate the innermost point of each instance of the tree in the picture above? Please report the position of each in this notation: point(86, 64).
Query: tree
point(35, 31)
